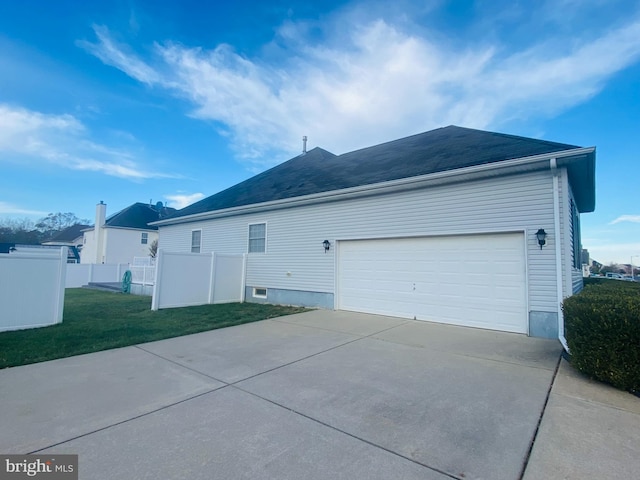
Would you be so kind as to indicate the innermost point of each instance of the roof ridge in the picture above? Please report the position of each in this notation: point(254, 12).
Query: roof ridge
point(510, 135)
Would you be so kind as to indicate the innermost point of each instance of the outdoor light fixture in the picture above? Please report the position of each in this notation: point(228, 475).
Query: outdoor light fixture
point(327, 245)
point(541, 235)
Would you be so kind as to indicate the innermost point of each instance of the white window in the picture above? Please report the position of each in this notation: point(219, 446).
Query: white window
point(196, 238)
point(144, 238)
point(576, 257)
point(257, 238)
point(259, 292)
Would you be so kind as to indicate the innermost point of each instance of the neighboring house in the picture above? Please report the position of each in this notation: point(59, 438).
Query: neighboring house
point(124, 235)
point(440, 226)
point(71, 237)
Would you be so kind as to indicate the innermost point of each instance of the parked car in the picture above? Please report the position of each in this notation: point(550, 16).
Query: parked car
point(617, 276)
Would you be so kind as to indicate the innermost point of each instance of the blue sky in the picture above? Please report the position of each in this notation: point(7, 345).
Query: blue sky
point(128, 101)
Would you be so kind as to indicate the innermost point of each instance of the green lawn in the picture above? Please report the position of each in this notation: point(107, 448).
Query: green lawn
point(96, 320)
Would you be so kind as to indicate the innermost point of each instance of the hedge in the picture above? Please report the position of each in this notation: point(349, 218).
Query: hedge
point(602, 328)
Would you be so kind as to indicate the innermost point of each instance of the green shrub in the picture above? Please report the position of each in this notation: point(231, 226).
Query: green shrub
point(602, 328)
point(610, 283)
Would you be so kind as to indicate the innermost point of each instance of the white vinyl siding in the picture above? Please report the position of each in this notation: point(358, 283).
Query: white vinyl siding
point(297, 259)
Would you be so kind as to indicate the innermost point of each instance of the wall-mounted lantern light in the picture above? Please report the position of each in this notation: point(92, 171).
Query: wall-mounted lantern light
point(327, 245)
point(541, 235)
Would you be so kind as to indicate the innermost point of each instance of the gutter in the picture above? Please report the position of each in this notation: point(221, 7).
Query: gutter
point(535, 162)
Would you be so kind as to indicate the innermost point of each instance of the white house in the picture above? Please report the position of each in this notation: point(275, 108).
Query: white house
point(122, 236)
point(454, 225)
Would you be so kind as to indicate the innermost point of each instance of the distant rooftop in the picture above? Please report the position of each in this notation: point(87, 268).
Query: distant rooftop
point(69, 234)
point(139, 215)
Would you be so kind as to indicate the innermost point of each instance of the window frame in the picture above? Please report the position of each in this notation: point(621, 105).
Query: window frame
point(144, 238)
point(576, 240)
point(199, 246)
point(255, 293)
point(263, 238)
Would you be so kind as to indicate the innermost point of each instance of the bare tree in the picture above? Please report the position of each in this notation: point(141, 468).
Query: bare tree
point(19, 231)
point(56, 222)
point(153, 249)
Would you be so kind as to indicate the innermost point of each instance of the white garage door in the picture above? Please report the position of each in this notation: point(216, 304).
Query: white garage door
point(471, 280)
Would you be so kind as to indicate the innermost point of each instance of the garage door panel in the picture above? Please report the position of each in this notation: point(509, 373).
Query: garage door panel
point(474, 280)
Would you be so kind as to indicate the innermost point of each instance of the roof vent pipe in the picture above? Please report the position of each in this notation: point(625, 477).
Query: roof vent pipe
point(304, 144)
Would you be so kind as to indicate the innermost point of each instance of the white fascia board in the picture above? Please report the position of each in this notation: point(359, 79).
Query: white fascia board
point(535, 162)
point(133, 229)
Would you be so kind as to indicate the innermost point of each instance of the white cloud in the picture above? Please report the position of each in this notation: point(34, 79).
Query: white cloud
point(181, 200)
point(381, 81)
point(63, 140)
point(626, 218)
point(11, 209)
point(117, 55)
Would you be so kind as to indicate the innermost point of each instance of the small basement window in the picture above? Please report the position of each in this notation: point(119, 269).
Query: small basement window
point(259, 292)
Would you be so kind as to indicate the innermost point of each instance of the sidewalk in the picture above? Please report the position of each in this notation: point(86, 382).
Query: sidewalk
point(588, 431)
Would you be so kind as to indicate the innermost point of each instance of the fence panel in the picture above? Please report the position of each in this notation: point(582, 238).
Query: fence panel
point(106, 272)
point(142, 275)
point(32, 289)
point(228, 285)
point(80, 274)
point(184, 279)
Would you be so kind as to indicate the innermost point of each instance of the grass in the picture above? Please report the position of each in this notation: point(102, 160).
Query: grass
point(96, 320)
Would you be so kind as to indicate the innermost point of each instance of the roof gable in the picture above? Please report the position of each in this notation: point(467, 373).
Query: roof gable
point(319, 171)
point(138, 216)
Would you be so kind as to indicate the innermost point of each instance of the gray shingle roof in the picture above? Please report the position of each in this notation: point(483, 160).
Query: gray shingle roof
point(139, 215)
point(320, 171)
point(69, 234)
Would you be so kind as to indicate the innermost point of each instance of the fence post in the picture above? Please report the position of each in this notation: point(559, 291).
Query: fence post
point(244, 277)
point(90, 279)
point(212, 278)
point(155, 296)
point(62, 270)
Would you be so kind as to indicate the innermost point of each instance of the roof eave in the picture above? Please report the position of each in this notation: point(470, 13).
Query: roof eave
point(581, 168)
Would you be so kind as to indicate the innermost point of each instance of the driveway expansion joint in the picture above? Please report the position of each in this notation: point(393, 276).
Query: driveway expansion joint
point(182, 366)
point(127, 420)
point(344, 432)
point(544, 407)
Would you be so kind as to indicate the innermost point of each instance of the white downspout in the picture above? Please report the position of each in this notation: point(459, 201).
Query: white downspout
point(556, 226)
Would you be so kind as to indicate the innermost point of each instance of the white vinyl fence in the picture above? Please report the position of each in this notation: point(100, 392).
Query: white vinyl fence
point(184, 279)
point(80, 274)
point(143, 274)
point(32, 288)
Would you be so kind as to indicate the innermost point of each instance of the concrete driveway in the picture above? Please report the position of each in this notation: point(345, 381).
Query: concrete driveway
point(318, 395)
